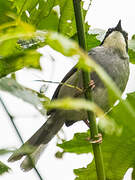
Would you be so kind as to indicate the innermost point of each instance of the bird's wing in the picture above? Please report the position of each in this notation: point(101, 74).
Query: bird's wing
point(68, 75)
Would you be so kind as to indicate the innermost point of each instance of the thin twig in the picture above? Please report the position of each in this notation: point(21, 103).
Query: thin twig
point(66, 84)
point(86, 79)
point(11, 118)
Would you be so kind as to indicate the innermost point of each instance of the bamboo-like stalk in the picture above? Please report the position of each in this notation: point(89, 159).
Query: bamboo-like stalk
point(86, 79)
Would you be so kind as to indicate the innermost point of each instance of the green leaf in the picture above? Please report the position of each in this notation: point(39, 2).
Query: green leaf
point(100, 33)
point(9, 47)
point(131, 44)
point(3, 168)
point(118, 147)
point(133, 175)
point(79, 144)
point(76, 104)
point(67, 24)
point(82, 104)
point(38, 15)
point(5, 7)
point(94, 38)
point(16, 29)
point(26, 94)
point(88, 173)
point(10, 34)
point(12, 55)
point(131, 98)
point(18, 61)
point(61, 44)
point(92, 41)
point(131, 50)
point(50, 22)
point(23, 5)
point(131, 54)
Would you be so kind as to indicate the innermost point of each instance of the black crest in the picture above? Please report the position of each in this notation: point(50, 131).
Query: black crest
point(117, 28)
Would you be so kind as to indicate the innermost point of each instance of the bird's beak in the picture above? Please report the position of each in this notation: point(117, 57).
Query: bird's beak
point(118, 27)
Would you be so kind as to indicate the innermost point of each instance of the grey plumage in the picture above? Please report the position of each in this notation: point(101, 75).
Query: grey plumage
point(114, 59)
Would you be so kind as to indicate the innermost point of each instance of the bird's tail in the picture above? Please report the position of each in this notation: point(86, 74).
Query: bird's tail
point(37, 143)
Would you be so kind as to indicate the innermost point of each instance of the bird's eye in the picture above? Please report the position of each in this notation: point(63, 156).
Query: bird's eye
point(109, 30)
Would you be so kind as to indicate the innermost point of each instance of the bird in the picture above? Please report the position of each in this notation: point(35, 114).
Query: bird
point(112, 56)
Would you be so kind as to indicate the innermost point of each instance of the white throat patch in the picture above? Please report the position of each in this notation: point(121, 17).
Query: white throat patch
point(116, 40)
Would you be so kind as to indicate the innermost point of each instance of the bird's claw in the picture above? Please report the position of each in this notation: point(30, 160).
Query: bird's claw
point(97, 139)
point(92, 84)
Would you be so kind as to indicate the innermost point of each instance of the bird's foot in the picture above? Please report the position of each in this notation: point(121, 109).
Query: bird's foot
point(96, 140)
point(92, 84)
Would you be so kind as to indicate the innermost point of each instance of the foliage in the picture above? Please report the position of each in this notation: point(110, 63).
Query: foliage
point(131, 50)
point(26, 26)
point(13, 87)
point(117, 147)
point(3, 168)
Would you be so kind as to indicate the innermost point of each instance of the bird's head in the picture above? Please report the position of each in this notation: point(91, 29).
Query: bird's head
point(116, 38)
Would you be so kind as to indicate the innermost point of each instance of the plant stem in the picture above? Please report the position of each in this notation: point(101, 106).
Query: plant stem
point(86, 79)
point(17, 131)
